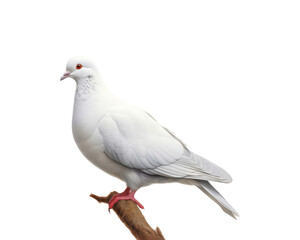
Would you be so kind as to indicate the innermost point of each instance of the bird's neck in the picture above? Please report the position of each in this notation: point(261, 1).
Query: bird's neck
point(88, 86)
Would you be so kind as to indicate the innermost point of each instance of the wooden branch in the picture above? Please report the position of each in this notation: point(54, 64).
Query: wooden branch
point(132, 217)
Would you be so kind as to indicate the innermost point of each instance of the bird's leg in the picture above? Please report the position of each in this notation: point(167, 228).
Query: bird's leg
point(128, 194)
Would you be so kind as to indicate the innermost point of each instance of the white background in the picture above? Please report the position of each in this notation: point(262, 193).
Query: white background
point(223, 75)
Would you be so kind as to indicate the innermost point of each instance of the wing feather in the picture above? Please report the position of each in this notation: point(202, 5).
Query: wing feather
point(192, 166)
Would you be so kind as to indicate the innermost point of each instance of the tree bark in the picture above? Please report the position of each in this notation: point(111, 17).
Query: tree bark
point(132, 217)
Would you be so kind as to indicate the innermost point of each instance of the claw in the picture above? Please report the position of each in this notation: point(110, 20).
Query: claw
point(128, 194)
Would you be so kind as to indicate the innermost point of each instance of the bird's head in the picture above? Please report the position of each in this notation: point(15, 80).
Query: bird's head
point(80, 68)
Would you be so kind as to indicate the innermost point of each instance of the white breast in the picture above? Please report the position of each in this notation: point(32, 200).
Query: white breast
point(86, 115)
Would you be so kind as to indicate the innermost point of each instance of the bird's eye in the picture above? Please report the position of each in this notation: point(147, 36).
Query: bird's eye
point(78, 66)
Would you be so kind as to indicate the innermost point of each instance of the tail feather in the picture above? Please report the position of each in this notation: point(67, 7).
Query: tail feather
point(210, 191)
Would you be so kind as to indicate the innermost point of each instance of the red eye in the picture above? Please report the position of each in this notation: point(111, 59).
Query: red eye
point(78, 66)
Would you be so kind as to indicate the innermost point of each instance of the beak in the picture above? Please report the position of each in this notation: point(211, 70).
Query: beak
point(66, 74)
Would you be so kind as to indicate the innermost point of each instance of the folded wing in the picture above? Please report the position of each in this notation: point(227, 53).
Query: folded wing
point(134, 139)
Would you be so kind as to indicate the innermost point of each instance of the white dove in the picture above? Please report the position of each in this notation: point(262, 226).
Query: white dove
point(128, 143)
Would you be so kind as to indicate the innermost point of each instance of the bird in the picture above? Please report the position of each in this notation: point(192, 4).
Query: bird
point(129, 144)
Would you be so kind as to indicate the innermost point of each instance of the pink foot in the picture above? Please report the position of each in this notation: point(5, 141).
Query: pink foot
point(128, 194)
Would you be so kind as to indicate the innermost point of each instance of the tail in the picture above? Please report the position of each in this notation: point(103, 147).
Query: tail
point(210, 191)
